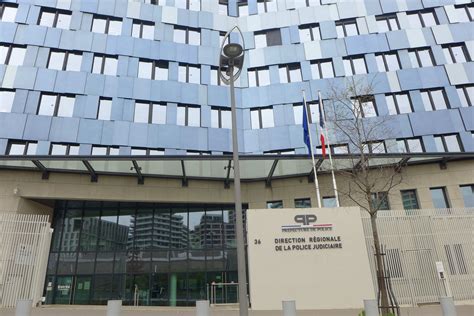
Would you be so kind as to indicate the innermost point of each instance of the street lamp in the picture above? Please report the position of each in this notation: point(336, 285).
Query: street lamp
point(230, 66)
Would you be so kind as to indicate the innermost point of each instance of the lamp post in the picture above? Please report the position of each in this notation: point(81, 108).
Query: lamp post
point(230, 65)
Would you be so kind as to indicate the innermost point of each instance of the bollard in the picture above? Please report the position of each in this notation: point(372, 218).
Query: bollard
point(202, 308)
point(371, 307)
point(289, 308)
point(447, 305)
point(114, 307)
point(23, 307)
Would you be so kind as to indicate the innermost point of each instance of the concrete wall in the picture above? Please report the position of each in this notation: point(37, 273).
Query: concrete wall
point(20, 189)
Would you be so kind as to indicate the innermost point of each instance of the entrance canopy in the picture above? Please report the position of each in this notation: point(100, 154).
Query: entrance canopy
point(218, 168)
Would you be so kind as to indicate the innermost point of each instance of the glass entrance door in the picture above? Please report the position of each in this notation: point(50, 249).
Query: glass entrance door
point(63, 291)
point(82, 290)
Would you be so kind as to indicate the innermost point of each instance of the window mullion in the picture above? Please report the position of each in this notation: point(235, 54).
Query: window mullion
point(66, 57)
point(55, 20)
point(150, 112)
point(107, 25)
point(260, 118)
point(56, 106)
point(102, 67)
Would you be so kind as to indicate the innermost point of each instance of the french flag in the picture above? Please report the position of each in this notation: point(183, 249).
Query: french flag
point(321, 125)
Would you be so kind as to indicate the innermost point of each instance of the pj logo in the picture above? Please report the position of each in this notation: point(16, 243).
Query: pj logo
point(305, 219)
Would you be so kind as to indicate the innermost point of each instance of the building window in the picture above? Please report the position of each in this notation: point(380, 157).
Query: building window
point(243, 8)
point(223, 7)
point(387, 23)
point(313, 113)
point(329, 201)
point(387, 62)
point(410, 145)
point(439, 197)
point(266, 6)
point(8, 12)
point(215, 77)
point(189, 115)
point(290, 73)
point(69, 61)
point(354, 65)
point(309, 33)
point(6, 100)
point(434, 99)
point(106, 25)
point(56, 105)
point(259, 77)
point(268, 38)
point(380, 201)
point(105, 151)
point(303, 203)
point(345, 28)
point(193, 5)
point(153, 69)
point(398, 103)
point(421, 57)
point(105, 65)
point(186, 35)
point(448, 143)
point(105, 109)
point(306, 3)
point(55, 18)
point(467, 191)
point(280, 152)
point(374, 147)
point(189, 73)
point(143, 29)
point(419, 19)
point(21, 148)
point(322, 69)
point(367, 106)
point(456, 262)
point(466, 95)
point(197, 153)
point(339, 149)
point(456, 53)
point(221, 117)
point(221, 38)
point(262, 118)
point(151, 113)
point(410, 199)
point(465, 12)
point(64, 149)
point(146, 152)
point(275, 204)
point(12, 55)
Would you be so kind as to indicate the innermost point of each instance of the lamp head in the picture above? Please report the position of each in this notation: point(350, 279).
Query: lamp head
point(233, 50)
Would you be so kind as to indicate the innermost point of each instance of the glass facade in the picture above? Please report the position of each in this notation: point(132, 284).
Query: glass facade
point(145, 254)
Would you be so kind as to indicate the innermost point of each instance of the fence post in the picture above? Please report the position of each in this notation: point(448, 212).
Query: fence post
point(371, 307)
point(23, 307)
point(114, 307)
point(289, 308)
point(447, 305)
point(202, 308)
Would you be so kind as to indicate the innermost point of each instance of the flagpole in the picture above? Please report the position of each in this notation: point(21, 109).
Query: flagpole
point(323, 115)
point(316, 183)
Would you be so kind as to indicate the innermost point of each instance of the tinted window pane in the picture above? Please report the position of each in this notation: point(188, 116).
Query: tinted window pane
point(273, 37)
point(66, 106)
point(329, 201)
point(74, 62)
point(409, 199)
point(439, 198)
point(468, 195)
point(6, 100)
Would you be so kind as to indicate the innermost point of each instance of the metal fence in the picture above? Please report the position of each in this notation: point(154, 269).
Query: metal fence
point(24, 248)
point(414, 241)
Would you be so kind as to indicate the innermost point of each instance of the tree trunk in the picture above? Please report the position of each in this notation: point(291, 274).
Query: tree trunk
point(379, 263)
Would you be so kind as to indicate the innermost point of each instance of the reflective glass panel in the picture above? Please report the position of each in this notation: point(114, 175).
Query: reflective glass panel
point(97, 66)
point(468, 195)
point(392, 62)
point(340, 31)
point(66, 106)
point(47, 105)
point(16, 149)
point(267, 118)
point(458, 53)
point(194, 116)
point(252, 77)
point(260, 40)
point(425, 97)
point(351, 29)
point(6, 100)
point(327, 69)
point(141, 112)
point(194, 37)
point(181, 116)
point(99, 151)
point(404, 104)
point(161, 72)
point(452, 143)
point(179, 36)
point(194, 74)
point(329, 201)
point(348, 67)
point(182, 74)
point(226, 119)
point(148, 31)
point(305, 35)
point(263, 77)
point(105, 109)
point(439, 144)
point(74, 62)
point(115, 27)
point(214, 118)
point(9, 14)
point(159, 114)
point(98, 25)
point(414, 145)
point(110, 66)
point(145, 69)
point(425, 58)
point(17, 56)
point(392, 110)
point(47, 19)
point(295, 74)
point(136, 28)
point(283, 72)
point(414, 20)
point(359, 66)
point(383, 25)
point(428, 19)
point(31, 150)
point(438, 197)
point(197, 228)
point(64, 21)
point(438, 99)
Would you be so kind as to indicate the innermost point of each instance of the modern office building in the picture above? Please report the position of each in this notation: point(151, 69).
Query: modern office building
point(115, 123)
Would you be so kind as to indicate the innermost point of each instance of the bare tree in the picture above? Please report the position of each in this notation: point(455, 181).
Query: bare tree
point(352, 116)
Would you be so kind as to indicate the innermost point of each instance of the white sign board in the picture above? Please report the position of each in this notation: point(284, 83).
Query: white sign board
point(316, 257)
point(440, 269)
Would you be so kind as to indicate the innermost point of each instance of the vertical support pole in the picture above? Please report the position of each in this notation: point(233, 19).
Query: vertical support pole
point(241, 266)
point(447, 305)
point(23, 307)
point(202, 308)
point(114, 307)
point(173, 288)
point(371, 307)
point(289, 308)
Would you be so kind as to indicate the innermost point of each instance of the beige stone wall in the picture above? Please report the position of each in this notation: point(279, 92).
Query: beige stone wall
point(20, 189)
